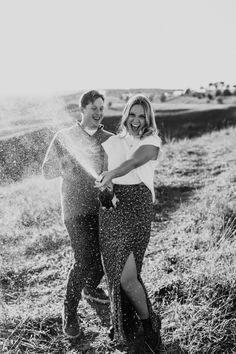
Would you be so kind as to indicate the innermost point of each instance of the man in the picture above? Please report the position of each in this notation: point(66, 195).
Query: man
point(73, 153)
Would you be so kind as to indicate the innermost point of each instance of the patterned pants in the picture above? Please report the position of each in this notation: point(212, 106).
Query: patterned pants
point(87, 267)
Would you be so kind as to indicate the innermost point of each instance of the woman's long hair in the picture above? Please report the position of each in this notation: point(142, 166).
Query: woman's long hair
point(150, 123)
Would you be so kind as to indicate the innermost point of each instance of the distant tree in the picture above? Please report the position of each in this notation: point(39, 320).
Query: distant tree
point(218, 92)
point(210, 96)
point(188, 91)
point(227, 91)
point(151, 97)
point(163, 97)
point(220, 100)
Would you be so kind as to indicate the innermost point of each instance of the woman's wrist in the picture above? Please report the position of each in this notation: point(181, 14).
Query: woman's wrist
point(112, 174)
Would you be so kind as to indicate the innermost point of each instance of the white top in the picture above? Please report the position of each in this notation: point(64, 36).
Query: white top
point(119, 149)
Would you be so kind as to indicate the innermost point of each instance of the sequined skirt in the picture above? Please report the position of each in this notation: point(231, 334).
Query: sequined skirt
point(124, 230)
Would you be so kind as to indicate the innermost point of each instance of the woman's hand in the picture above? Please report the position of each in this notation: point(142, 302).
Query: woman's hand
point(104, 181)
point(106, 195)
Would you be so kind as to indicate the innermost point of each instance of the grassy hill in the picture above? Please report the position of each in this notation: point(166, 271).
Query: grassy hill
point(19, 115)
point(189, 267)
point(28, 124)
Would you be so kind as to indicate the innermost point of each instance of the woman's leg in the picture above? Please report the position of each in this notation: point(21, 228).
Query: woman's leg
point(136, 294)
point(133, 288)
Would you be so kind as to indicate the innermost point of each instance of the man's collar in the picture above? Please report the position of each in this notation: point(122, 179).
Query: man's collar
point(100, 126)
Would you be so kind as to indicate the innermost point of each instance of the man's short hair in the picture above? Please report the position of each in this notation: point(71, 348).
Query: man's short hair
point(90, 97)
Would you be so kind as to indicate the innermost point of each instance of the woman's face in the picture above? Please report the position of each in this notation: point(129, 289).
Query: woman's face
point(136, 120)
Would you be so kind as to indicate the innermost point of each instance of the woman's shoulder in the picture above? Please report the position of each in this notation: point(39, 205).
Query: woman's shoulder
point(152, 139)
point(114, 139)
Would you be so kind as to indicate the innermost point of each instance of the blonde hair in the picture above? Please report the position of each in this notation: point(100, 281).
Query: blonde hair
point(150, 123)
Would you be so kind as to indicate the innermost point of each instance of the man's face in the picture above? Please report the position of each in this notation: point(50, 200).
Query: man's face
point(93, 113)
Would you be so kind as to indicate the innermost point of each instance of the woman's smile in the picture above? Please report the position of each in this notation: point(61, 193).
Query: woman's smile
point(136, 120)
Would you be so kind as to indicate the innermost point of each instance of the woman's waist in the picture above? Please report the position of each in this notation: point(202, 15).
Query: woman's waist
point(122, 186)
point(127, 179)
point(132, 194)
point(127, 183)
point(142, 190)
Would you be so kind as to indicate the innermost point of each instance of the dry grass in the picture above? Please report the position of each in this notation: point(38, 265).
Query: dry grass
point(189, 269)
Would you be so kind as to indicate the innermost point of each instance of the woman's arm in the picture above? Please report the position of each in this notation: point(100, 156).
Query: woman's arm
point(141, 156)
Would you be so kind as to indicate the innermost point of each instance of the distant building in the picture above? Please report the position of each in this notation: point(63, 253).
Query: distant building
point(177, 93)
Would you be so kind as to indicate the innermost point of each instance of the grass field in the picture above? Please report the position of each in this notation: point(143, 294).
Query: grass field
point(189, 269)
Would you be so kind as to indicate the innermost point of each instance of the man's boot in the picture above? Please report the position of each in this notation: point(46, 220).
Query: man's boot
point(70, 324)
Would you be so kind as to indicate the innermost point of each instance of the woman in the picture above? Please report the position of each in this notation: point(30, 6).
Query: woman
point(131, 158)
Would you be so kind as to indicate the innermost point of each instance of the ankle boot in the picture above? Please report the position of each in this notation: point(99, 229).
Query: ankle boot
point(152, 339)
point(70, 324)
point(111, 333)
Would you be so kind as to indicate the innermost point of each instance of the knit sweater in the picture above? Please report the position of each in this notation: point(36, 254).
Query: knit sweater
point(77, 158)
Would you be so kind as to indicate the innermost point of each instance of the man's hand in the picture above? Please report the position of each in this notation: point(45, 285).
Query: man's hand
point(105, 197)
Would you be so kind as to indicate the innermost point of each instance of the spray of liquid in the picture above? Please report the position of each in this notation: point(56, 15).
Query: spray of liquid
point(22, 115)
point(79, 146)
point(25, 114)
point(29, 115)
point(85, 152)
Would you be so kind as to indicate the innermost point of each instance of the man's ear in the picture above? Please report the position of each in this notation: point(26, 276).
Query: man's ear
point(81, 110)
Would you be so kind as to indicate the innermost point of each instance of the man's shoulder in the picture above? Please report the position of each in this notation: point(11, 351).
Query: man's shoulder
point(106, 133)
point(68, 130)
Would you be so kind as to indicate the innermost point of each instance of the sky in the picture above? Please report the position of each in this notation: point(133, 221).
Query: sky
point(60, 46)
